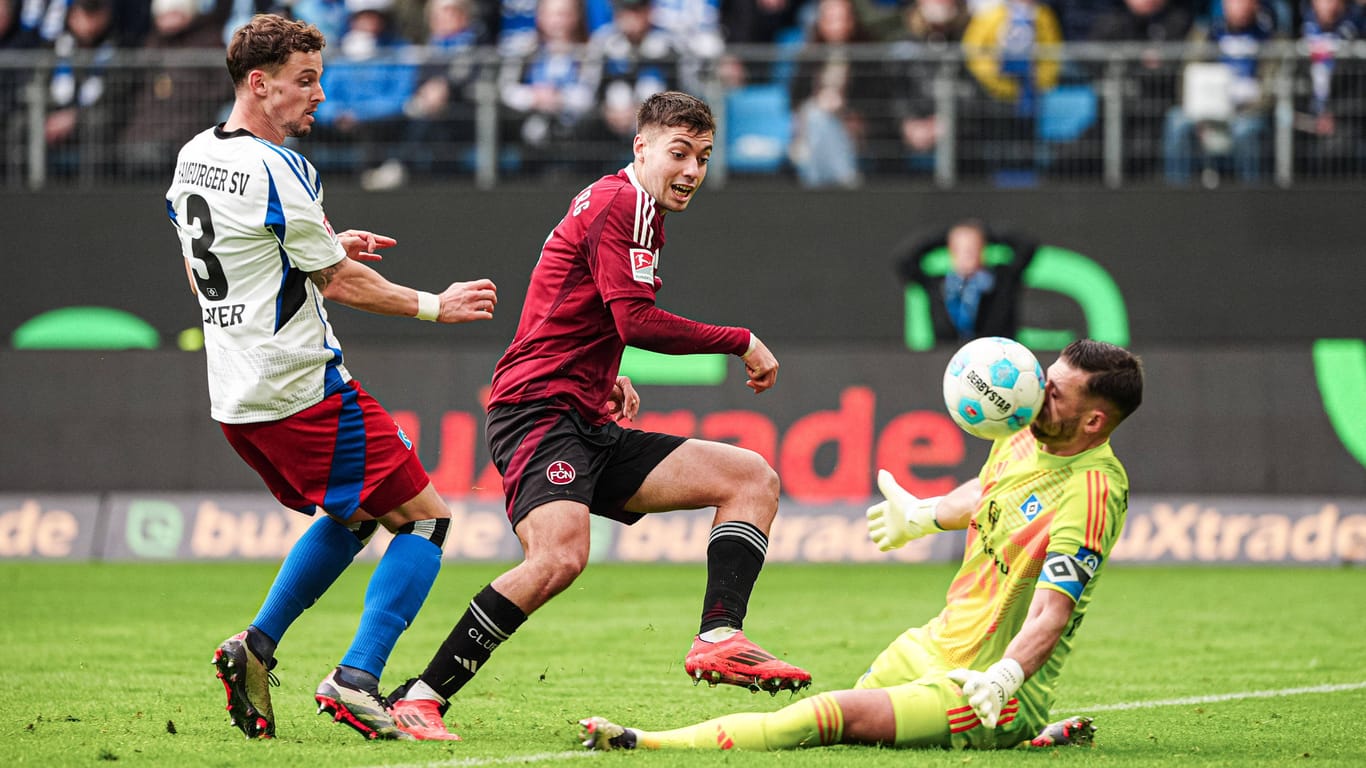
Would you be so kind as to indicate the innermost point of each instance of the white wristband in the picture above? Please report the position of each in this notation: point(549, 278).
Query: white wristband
point(753, 342)
point(428, 306)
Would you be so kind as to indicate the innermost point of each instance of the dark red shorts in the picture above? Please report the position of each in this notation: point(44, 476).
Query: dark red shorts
point(547, 452)
point(343, 453)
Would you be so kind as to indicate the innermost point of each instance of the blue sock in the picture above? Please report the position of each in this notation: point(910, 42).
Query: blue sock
point(397, 589)
point(311, 566)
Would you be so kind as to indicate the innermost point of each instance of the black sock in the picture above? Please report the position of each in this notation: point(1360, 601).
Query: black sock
point(357, 678)
point(735, 555)
point(487, 623)
point(262, 645)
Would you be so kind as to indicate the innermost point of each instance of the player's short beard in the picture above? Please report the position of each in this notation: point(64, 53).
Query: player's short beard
point(297, 129)
point(1062, 432)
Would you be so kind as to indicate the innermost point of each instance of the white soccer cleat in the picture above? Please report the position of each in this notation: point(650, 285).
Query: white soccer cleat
point(597, 733)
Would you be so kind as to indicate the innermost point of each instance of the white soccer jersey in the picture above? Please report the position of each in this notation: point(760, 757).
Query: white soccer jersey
point(250, 219)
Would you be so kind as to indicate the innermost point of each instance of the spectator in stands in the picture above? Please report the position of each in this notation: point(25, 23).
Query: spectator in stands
point(238, 12)
point(368, 81)
point(1238, 35)
point(758, 21)
point(1077, 17)
point(931, 27)
point(86, 103)
point(632, 50)
point(1001, 45)
point(174, 101)
point(1152, 87)
point(550, 87)
point(972, 299)
point(440, 113)
point(331, 17)
point(839, 99)
point(695, 23)
point(516, 26)
point(637, 60)
point(1002, 51)
point(40, 22)
point(1331, 115)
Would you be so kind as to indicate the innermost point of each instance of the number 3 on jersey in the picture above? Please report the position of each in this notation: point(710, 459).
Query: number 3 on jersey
point(208, 273)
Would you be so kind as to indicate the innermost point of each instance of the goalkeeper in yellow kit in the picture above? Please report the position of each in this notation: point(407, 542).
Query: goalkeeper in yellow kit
point(1042, 516)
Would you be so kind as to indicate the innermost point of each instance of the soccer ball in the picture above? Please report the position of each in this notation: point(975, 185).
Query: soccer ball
point(993, 387)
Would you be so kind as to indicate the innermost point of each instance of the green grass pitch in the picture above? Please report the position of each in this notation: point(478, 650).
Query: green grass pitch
point(108, 664)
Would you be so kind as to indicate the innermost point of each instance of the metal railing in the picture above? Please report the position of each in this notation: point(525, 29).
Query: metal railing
point(1120, 115)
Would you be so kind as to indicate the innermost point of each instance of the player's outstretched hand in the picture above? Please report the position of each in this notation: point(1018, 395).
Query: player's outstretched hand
point(987, 692)
point(902, 517)
point(624, 402)
point(361, 245)
point(463, 302)
point(760, 366)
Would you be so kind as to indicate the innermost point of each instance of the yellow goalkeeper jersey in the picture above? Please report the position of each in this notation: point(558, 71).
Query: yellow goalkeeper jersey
point(1044, 521)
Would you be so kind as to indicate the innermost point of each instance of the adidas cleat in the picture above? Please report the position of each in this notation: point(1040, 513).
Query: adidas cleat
point(1074, 731)
point(597, 733)
point(737, 661)
point(246, 680)
point(421, 719)
point(360, 708)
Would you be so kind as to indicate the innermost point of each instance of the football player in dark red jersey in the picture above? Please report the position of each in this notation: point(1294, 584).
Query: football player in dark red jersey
point(554, 435)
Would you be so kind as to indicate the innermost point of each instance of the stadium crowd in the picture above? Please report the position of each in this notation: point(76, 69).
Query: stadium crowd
point(403, 80)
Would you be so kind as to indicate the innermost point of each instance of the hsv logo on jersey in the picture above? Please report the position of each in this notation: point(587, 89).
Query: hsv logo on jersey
point(1031, 507)
point(643, 265)
point(560, 473)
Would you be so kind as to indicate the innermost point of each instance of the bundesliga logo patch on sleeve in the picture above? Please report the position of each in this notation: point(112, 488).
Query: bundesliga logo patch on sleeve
point(643, 265)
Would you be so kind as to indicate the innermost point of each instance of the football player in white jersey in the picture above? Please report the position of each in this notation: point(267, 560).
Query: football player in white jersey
point(261, 257)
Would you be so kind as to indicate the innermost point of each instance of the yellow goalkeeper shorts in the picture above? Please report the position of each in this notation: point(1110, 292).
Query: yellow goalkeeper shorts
point(930, 709)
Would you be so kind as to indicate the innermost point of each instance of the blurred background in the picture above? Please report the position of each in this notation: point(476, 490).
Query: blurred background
point(1177, 176)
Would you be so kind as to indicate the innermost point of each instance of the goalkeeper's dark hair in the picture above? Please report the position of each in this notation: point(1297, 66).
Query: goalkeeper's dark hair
point(267, 41)
point(675, 109)
point(1116, 374)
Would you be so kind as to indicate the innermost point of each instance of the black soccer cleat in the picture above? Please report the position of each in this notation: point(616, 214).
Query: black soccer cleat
point(247, 681)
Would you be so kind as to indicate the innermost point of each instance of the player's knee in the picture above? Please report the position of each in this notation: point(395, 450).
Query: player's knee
point(757, 480)
point(560, 567)
point(433, 530)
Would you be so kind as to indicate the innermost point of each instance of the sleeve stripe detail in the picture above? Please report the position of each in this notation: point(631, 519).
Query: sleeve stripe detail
point(296, 164)
point(1097, 497)
point(641, 230)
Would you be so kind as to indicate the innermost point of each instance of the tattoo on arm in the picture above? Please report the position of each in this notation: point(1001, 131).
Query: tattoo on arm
point(323, 277)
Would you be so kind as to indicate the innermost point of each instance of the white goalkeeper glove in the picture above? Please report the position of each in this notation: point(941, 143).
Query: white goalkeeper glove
point(987, 692)
point(902, 517)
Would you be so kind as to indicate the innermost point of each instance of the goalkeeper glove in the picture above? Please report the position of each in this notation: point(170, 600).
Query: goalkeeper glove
point(987, 692)
point(902, 517)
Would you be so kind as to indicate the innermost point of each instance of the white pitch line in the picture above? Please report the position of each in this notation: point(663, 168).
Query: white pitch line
point(475, 762)
point(1217, 697)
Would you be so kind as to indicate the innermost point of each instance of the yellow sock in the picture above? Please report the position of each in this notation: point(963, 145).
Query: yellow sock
point(814, 722)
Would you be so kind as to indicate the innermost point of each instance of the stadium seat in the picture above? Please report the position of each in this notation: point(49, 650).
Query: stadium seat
point(788, 42)
point(1066, 112)
point(85, 328)
point(1053, 269)
point(758, 128)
